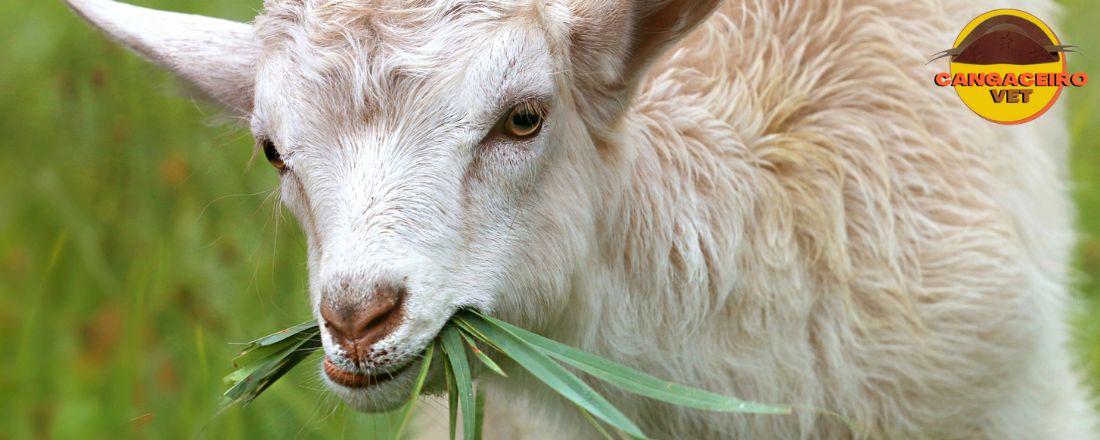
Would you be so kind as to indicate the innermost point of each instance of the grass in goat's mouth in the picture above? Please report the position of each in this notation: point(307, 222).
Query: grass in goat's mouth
point(265, 360)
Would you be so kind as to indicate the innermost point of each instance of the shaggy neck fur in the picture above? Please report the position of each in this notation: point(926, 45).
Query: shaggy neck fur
point(799, 224)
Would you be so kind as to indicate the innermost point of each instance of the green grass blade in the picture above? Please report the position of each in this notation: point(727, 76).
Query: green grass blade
point(452, 396)
point(482, 356)
point(270, 371)
point(249, 362)
point(635, 381)
point(265, 360)
point(240, 378)
point(479, 414)
point(270, 348)
point(553, 374)
point(300, 330)
point(456, 355)
point(474, 333)
point(595, 424)
point(426, 363)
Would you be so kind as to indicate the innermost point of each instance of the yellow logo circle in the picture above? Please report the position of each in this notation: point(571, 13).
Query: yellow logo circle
point(1008, 67)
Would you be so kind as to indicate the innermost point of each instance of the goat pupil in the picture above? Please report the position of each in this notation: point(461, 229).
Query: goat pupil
point(525, 120)
point(270, 152)
point(272, 155)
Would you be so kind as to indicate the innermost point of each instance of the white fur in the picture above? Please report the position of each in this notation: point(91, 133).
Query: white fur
point(783, 209)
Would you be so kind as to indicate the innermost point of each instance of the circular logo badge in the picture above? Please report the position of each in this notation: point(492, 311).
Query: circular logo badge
point(1008, 67)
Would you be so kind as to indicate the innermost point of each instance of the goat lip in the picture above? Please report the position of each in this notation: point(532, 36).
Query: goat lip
point(350, 379)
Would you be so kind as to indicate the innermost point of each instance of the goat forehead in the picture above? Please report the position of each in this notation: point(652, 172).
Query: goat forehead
point(387, 22)
point(367, 75)
point(351, 82)
point(336, 90)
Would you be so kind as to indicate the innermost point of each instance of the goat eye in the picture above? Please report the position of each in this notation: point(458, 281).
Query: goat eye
point(524, 121)
point(272, 155)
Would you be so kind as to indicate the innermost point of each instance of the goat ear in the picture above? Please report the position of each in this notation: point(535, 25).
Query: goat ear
point(660, 23)
point(216, 57)
point(616, 41)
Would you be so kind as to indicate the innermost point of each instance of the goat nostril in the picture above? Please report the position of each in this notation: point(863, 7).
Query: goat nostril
point(334, 323)
point(356, 327)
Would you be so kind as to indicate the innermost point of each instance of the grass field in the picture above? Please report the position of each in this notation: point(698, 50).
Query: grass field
point(136, 241)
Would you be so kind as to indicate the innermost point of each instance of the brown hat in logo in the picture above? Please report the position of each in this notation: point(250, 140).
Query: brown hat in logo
point(1005, 39)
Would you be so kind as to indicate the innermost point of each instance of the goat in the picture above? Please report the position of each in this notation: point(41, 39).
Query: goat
point(762, 198)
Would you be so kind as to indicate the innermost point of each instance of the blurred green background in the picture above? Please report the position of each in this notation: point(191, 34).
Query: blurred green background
point(137, 239)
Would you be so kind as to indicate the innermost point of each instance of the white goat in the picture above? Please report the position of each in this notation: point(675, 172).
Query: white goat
point(771, 201)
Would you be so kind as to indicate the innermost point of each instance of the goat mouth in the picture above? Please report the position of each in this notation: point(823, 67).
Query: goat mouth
point(355, 380)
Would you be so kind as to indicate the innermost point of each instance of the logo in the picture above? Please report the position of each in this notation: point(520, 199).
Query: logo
point(1008, 67)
